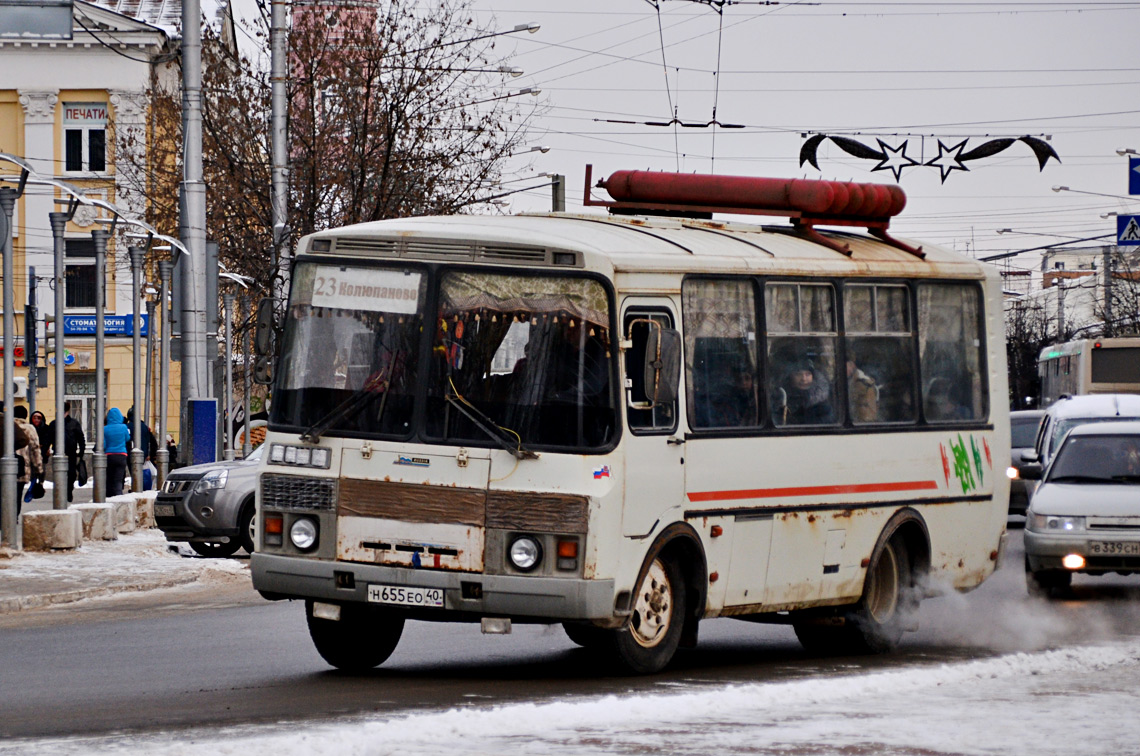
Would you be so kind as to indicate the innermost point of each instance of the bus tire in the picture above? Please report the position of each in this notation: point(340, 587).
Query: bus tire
point(888, 596)
point(586, 635)
point(874, 625)
point(650, 638)
point(363, 638)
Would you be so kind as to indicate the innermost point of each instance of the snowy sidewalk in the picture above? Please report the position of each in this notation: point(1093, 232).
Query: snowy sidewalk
point(138, 561)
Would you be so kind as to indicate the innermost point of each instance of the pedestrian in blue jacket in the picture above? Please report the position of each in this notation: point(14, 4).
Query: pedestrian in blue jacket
point(116, 435)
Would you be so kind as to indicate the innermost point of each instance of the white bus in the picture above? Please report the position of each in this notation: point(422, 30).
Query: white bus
point(631, 422)
point(1089, 366)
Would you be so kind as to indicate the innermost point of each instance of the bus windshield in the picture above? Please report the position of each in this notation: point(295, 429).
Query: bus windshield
point(523, 357)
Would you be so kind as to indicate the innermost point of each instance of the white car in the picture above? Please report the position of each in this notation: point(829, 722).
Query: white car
point(1085, 514)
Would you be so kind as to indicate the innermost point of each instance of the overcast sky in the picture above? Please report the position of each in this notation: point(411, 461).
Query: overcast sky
point(919, 72)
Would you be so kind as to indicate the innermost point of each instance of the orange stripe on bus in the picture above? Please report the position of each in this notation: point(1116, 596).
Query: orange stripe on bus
point(772, 493)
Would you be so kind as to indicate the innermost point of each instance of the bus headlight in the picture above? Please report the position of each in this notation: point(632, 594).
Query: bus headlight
point(303, 533)
point(525, 553)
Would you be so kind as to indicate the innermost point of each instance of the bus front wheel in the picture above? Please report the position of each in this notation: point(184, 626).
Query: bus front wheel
point(364, 637)
point(648, 641)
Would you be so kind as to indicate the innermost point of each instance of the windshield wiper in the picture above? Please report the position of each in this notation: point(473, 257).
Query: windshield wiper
point(490, 427)
point(1127, 478)
point(1080, 479)
point(376, 383)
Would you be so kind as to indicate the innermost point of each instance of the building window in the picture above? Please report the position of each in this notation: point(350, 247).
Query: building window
point(85, 137)
point(79, 275)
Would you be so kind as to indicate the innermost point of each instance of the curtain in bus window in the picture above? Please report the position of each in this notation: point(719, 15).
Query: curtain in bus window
point(950, 352)
point(720, 353)
point(802, 339)
point(531, 353)
point(350, 349)
point(880, 354)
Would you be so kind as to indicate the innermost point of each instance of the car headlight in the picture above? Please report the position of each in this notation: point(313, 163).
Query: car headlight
point(1012, 473)
point(1056, 523)
point(525, 553)
point(211, 481)
point(303, 533)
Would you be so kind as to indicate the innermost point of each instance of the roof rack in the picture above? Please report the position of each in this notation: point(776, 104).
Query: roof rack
point(809, 203)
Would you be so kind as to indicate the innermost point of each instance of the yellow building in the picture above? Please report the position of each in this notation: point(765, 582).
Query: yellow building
point(73, 108)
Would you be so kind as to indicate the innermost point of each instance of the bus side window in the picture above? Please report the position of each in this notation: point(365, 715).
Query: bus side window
point(661, 417)
point(880, 353)
point(802, 342)
point(720, 353)
point(950, 352)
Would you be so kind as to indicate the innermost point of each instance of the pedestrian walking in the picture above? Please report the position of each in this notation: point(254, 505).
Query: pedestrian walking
point(116, 436)
point(74, 446)
point(30, 462)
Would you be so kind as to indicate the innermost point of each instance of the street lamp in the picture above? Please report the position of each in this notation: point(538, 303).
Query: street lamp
point(1126, 151)
point(1095, 194)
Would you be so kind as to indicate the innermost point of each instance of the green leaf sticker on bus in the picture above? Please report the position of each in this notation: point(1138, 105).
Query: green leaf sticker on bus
point(962, 470)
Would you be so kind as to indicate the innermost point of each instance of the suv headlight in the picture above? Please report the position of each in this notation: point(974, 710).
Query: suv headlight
point(1056, 523)
point(213, 480)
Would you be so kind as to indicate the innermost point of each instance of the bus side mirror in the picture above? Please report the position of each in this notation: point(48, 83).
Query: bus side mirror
point(262, 371)
point(662, 364)
point(263, 330)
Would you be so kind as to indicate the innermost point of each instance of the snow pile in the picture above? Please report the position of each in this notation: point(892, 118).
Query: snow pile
point(1009, 705)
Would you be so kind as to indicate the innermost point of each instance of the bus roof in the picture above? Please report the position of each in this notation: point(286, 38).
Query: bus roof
point(639, 243)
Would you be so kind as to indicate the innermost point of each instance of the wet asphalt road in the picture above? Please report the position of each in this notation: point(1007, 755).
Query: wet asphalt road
point(222, 655)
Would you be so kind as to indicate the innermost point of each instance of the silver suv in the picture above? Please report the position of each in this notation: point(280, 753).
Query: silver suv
point(211, 506)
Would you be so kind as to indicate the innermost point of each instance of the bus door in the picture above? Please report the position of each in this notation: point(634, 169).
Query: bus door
point(654, 452)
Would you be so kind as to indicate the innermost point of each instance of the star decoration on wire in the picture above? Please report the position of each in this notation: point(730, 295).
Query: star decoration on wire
point(894, 160)
point(948, 160)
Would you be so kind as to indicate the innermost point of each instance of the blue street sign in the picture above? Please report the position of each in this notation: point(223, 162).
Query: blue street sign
point(1134, 175)
point(1128, 230)
point(113, 325)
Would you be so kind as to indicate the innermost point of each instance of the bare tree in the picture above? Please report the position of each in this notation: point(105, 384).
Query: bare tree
point(397, 109)
point(1120, 307)
point(1028, 329)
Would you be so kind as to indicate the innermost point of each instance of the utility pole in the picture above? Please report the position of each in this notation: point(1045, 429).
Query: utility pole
point(8, 466)
point(60, 487)
point(1108, 331)
point(137, 457)
point(279, 117)
point(193, 207)
point(31, 347)
point(99, 457)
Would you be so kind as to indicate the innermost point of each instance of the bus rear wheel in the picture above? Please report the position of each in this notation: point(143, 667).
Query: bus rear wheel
point(648, 641)
point(363, 638)
point(875, 624)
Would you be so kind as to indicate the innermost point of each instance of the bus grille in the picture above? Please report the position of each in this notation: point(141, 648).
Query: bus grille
point(297, 492)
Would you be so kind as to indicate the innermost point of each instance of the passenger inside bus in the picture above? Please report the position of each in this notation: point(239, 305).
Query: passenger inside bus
point(862, 393)
point(941, 405)
point(806, 394)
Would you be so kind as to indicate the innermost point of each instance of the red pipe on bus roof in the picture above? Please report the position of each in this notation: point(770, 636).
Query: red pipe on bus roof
point(812, 197)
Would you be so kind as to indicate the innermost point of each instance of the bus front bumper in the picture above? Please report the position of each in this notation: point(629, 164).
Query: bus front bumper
point(553, 599)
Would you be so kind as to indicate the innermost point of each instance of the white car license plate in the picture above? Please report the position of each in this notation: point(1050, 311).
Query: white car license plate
point(1114, 548)
point(163, 510)
point(404, 596)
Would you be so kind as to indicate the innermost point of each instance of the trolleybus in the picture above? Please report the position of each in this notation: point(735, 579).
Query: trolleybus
point(629, 422)
point(1089, 366)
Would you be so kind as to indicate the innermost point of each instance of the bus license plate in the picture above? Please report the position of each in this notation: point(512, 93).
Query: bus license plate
point(1114, 548)
point(404, 596)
